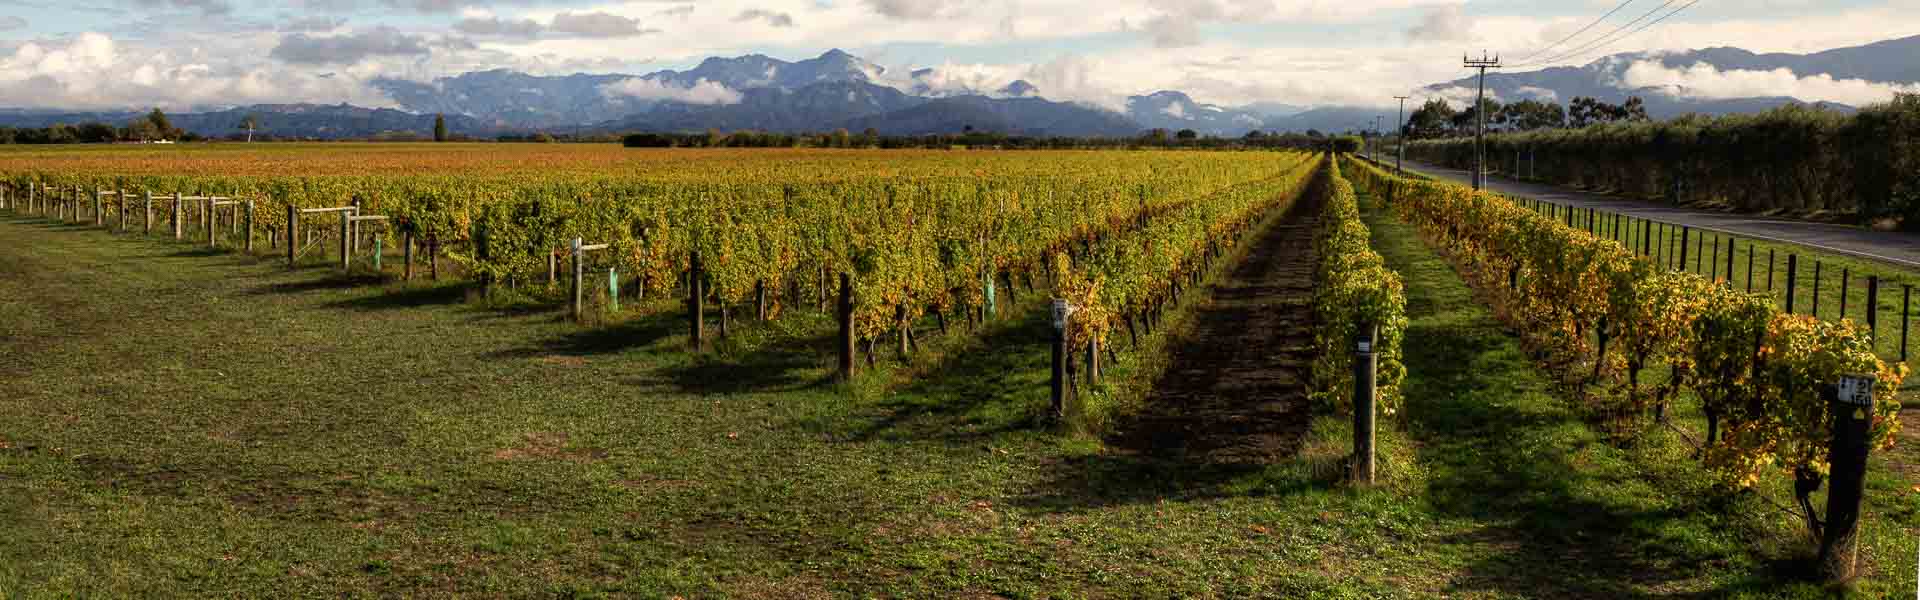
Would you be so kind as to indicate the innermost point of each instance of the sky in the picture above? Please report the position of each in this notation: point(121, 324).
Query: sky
point(179, 54)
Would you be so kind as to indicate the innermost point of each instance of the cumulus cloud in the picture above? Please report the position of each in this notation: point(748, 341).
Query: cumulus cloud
point(1442, 24)
point(917, 9)
point(598, 25)
point(775, 19)
point(91, 71)
point(1169, 31)
point(496, 26)
point(312, 25)
point(1702, 80)
point(207, 7)
point(700, 92)
point(348, 49)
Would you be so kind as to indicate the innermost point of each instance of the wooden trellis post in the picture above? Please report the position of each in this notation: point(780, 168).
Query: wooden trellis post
point(580, 250)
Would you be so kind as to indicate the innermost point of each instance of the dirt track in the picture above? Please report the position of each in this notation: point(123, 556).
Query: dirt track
point(1235, 387)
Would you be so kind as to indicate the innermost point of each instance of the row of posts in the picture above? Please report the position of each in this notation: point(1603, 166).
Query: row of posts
point(67, 204)
point(1692, 251)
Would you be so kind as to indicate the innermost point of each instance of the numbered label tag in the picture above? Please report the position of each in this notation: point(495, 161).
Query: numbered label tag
point(1061, 309)
point(1365, 346)
point(1857, 389)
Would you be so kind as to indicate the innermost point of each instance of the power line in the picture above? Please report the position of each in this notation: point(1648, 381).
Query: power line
point(1616, 35)
point(1609, 36)
point(1576, 34)
point(1629, 34)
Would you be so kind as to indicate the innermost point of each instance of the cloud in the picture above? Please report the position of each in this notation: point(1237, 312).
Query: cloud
point(1442, 24)
point(496, 26)
point(91, 71)
point(598, 25)
point(312, 25)
point(1704, 81)
point(917, 9)
point(1169, 31)
point(10, 23)
point(700, 92)
point(348, 49)
point(206, 7)
point(775, 19)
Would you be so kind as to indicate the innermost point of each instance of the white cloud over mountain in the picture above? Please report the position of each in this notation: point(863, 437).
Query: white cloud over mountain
point(1702, 80)
point(1222, 51)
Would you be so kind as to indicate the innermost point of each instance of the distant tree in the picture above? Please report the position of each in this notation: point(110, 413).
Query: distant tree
point(1187, 135)
point(544, 138)
point(842, 138)
point(439, 128)
point(62, 133)
point(1634, 110)
point(1529, 115)
point(250, 123)
point(1256, 135)
point(1431, 120)
point(97, 133)
point(142, 130)
point(162, 124)
point(1315, 134)
point(647, 140)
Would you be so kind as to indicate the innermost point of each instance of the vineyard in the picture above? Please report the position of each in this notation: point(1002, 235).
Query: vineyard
point(1058, 373)
point(920, 234)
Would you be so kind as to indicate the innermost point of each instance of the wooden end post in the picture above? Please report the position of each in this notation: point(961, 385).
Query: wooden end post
point(249, 226)
point(346, 241)
point(579, 294)
point(1062, 315)
point(696, 303)
point(293, 235)
point(407, 240)
point(845, 314)
point(1852, 404)
point(1365, 367)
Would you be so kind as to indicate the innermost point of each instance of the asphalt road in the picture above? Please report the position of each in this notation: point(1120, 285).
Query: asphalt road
point(1901, 249)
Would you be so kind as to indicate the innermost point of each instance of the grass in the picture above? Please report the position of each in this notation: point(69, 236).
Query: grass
point(182, 423)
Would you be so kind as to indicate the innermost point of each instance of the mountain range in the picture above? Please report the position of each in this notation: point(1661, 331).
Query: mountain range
point(839, 90)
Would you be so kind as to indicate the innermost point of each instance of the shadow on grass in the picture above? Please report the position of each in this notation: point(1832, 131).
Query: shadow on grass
point(994, 382)
point(785, 365)
point(336, 281)
point(406, 298)
point(764, 358)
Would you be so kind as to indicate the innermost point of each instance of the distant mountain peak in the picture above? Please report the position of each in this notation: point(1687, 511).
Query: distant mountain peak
point(1020, 88)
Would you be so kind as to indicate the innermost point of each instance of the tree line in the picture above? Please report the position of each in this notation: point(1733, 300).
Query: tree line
point(1438, 118)
point(971, 138)
point(1795, 158)
point(155, 126)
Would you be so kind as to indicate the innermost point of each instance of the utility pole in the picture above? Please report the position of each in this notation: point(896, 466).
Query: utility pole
point(1400, 138)
point(1480, 114)
point(1375, 155)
